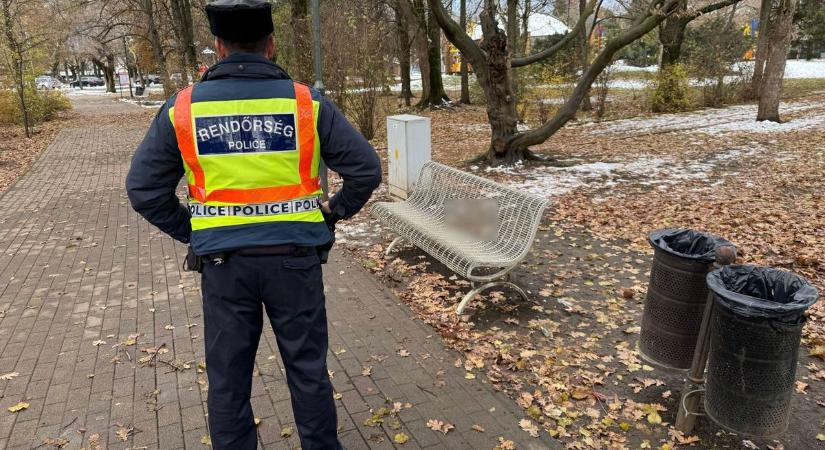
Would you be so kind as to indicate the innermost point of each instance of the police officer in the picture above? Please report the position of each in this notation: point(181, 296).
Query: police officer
point(249, 141)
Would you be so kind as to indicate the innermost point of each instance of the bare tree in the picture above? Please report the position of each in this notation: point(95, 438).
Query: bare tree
point(779, 35)
point(492, 65)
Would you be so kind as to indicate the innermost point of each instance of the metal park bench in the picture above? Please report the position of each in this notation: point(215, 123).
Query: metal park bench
point(484, 249)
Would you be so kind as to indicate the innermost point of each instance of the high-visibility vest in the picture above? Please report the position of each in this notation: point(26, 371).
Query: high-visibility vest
point(249, 161)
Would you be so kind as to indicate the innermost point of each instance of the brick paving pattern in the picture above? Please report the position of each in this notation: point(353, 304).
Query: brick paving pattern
point(87, 287)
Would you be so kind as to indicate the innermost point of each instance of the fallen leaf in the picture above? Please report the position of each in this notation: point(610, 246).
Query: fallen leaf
point(8, 376)
point(437, 425)
point(401, 438)
point(286, 432)
point(529, 427)
point(18, 407)
point(206, 440)
point(478, 428)
point(56, 443)
point(505, 444)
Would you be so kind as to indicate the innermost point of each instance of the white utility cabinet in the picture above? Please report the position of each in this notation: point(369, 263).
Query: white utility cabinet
point(409, 148)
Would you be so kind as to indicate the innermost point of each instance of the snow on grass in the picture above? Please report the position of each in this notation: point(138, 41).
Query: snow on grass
point(720, 120)
point(150, 104)
point(656, 172)
point(794, 68)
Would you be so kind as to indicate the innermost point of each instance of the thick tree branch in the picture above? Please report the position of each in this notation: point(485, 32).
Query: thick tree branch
point(712, 7)
point(553, 49)
point(604, 58)
point(457, 36)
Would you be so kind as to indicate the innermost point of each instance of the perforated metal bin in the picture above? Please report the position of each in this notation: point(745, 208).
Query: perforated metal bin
point(756, 329)
point(676, 295)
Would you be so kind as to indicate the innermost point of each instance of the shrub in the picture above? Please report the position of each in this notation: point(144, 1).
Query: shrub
point(672, 92)
point(42, 106)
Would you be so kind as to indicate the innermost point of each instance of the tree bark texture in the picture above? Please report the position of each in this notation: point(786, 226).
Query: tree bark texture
point(464, 72)
point(584, 54)
point(437, 95)
point(762, 44)
point(182, 17)
point(770, 88)
point(17, 60)
point(402, 21)
point(301, 42)
point(157, 46)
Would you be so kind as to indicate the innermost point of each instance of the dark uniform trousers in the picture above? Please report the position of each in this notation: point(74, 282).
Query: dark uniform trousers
point(291, 290)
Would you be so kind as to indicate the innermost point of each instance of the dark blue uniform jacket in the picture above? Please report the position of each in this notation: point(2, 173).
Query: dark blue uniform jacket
point(157, 166)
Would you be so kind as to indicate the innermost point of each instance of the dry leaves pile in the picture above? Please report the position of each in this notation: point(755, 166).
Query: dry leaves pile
point(569, 358)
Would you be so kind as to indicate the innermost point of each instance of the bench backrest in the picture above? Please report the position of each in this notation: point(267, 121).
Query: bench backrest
point(519, 213)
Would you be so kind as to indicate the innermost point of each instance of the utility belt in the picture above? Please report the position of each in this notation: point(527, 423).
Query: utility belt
point(195, 263)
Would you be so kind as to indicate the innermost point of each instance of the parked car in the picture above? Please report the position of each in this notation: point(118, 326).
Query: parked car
point(47, 82)
point(151, 79)
point(88, 81)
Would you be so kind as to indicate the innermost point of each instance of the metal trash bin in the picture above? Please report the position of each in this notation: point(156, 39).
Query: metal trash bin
point(676, 295)
point(139, 90)
point(756, 328)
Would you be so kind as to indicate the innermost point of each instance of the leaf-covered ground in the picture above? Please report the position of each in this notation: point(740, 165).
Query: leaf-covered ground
point(569, 356)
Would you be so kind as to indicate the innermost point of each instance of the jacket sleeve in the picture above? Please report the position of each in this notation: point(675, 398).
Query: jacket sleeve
point(345, 151)
point(156, 170)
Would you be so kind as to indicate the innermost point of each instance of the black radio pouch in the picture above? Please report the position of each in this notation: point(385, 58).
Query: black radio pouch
point(193, 262)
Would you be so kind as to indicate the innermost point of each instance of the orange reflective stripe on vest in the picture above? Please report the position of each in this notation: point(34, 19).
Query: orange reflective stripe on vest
point(198, 191)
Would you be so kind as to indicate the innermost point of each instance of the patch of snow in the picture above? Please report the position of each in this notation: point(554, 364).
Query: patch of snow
point(657, 172)
point(716, 120)
point(151, 104)
point(622, 66)
point(794, 68)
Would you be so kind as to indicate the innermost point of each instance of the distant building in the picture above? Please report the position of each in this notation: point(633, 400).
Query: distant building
point(540, 26)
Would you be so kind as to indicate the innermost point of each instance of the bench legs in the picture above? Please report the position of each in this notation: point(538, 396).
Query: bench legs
point(392, 245)
point(477, 289)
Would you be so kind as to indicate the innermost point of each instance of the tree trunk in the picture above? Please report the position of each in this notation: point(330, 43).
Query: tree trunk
point(770, 90)
point(525, 30)
point(498, 84)
point(465, 75)
point(157, 48)
point(762, 44)
point(583, 54)
point(672, 35)
point(512, 39)
point(182, 18)
point(422, 48)
point(301, 40)
point(403, 48)
point(108, 69)
point(437, 95)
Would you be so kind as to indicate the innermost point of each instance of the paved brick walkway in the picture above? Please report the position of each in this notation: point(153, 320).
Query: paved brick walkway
point(87, 287)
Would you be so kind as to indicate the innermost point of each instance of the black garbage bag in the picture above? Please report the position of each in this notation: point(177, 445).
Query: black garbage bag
point(762, 292)
point(690, 244)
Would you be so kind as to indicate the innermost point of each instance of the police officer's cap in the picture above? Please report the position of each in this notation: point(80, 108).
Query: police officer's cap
point(240, 20)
